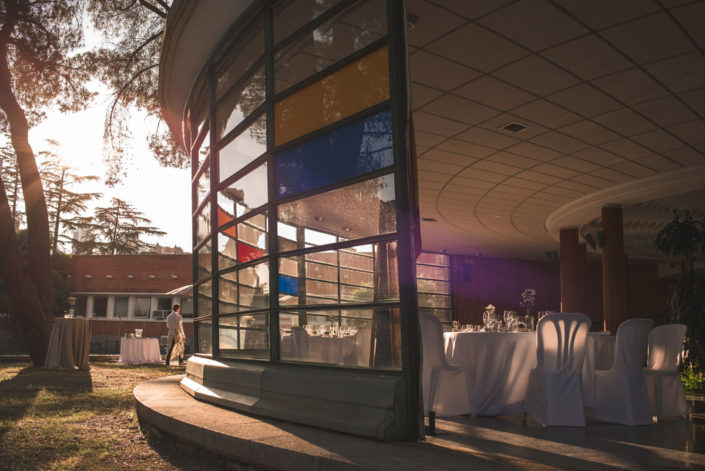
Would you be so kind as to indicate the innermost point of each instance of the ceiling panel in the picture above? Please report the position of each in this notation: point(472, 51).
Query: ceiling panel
point(610, 93)
point(534, 23)
point(469, 44)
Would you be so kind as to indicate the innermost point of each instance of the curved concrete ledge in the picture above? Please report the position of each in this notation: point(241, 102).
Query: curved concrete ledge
point(272, 444)
point(580, 211)
point(479, 443)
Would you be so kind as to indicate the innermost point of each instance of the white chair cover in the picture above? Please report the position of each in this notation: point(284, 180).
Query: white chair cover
point(446, 388)
point(662, 372)
point(554, 395)
point(620, 394)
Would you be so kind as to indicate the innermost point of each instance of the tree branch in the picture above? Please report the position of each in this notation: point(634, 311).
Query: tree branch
point(152, 8)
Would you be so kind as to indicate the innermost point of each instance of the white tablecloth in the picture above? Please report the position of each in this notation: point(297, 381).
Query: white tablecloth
point(139, 351)
point(351, 350)
point(599, 355)
point(499, 364)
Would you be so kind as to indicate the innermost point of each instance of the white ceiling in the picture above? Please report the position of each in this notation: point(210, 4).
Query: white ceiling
point(610, 92)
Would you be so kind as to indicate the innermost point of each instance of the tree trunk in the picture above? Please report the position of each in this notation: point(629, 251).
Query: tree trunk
point(57, 218)
point(30, 288)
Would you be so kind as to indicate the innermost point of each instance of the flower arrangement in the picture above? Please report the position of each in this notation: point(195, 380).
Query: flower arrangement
point(490, 308)
point(528, 296)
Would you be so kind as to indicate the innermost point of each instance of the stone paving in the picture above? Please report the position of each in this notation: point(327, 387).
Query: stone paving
point(461, 443)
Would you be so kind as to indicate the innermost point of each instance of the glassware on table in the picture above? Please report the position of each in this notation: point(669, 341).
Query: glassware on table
point(456, 326)
point(488, 319)
point(510, 318)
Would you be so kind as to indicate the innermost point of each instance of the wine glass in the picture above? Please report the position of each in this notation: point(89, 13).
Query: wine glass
point(487, 319)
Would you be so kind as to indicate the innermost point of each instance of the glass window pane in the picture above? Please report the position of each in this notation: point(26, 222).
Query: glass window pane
point(370, 209)
point(204, 261)
point(227, 292)
point(244, 242)
point(429, 258)
point(121, 306)
point(245, 336)
point(245, 148)
point(434, 273)
point(203, 185)
point(205, 298)
point(247, 49)
point(356, 27)
point(356, 149)
point(203, 150)
point(204, 223)
point(434, 301)
point(342, 337)
point(291, 15)
point(187, 306)
point(240, 103)
point(323, 278)
point(205, 336)
point(142, 304)
point(432, 286)
point(347, 91)
point(245, 194)
point(100, 306)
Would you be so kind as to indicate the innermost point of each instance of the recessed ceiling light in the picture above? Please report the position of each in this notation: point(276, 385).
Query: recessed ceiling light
point(429, 219)
point(515, 127)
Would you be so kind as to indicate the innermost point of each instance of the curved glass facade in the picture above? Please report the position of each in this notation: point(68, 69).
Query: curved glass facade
point(296, 223)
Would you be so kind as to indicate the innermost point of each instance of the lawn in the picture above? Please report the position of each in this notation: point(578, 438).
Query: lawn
point(59, 420)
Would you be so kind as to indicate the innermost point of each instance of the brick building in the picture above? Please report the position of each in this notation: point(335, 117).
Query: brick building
point(120, 293)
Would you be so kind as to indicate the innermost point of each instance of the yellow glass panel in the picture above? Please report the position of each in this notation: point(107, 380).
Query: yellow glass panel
point(353, 88)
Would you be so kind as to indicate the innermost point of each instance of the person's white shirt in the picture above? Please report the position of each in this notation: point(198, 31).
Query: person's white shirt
point(174, 321)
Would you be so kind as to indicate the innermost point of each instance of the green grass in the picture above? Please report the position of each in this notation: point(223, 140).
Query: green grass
point(77, 420)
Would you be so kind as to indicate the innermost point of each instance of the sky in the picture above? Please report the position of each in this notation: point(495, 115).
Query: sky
point(162, 194)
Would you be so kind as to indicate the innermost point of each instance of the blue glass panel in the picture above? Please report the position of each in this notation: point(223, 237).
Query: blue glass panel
point(356, 149)
point(288, 285)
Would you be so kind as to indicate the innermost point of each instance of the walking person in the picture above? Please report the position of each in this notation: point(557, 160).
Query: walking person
point(175, 341)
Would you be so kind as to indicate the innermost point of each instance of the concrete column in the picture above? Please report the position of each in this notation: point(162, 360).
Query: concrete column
point(89, 307)
point(572, 271)
point(614, 276)
point(582, 293)
point(130, 307)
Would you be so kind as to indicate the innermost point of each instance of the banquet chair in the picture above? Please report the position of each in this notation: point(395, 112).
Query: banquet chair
point(554, 395)
point(662, 372)
point(620, 394)
point(300, 343)
point(446, 388)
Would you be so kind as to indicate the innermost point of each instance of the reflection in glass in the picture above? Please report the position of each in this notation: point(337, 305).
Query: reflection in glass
point(350, 337)
point(204, 148)
point(204, 260)
point(248, 48)
point(349, 90)
point(246, 335)
point(205, 298)
point(243, 195)
point(205, 336)
point(244, 242)
point(240, 103)
point(355, 149)
point(291, 15)
point(356, 27)
point(370, 209)
point(203, 184)
point(362, 274)
point(245, 289)
point(245, 148)
point(204, 223)
point(432, 278)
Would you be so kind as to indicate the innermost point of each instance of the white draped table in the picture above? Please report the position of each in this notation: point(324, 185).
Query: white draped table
point(137, 351)
point(500, 362)
point(350, 350)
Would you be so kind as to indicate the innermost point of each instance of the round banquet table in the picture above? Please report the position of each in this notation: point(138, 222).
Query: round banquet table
point(137, 351)
point(69, 344)
point(499, 364)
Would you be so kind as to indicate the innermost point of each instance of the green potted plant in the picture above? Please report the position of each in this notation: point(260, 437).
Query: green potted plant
point(684, 237)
